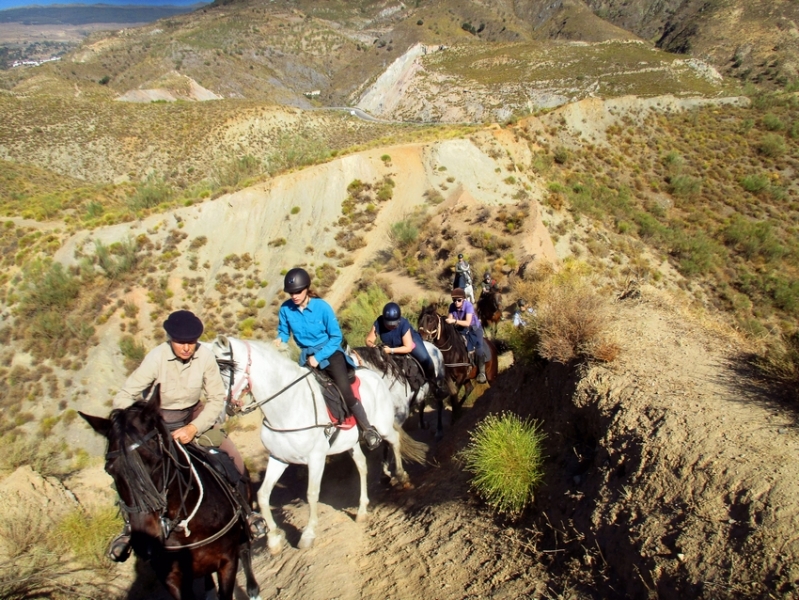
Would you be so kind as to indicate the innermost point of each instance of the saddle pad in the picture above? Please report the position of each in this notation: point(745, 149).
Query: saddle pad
point(349, 421)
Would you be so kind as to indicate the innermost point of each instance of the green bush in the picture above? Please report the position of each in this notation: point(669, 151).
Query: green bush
point(772, 145)
point(133, 352)
point(505, 457)
point(755, 183)
point(360, 313)
point(85, 535)
point(297, 150)
point(403, 233)
point(237, 170)
point(773, 123)
point(684, 186)
point(150, 193)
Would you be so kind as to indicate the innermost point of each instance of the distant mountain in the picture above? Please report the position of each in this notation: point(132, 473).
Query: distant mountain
point(111, 11)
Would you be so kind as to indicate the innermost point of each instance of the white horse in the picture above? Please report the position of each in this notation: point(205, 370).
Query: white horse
point(400, 381)
point(296, 427)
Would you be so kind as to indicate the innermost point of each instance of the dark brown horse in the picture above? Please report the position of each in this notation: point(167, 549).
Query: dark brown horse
point(489, 310)
point(182, 517)
point(434, 328)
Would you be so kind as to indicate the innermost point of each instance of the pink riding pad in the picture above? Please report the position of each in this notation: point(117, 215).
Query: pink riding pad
point(349, 422)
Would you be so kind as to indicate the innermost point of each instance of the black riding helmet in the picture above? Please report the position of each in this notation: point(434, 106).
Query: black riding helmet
point(183, 326)
point(487, 277)
point(296, 280)
point(391, 314)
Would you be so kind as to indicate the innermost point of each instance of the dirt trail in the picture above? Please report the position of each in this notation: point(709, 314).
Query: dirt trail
point(666, 478)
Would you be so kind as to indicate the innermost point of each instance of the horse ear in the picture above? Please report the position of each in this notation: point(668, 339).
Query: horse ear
point(154, 403)
point(222, 341)
point(99, 424)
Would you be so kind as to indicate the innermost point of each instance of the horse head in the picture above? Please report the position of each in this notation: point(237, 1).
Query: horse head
point(135, 459)
point(430, 323)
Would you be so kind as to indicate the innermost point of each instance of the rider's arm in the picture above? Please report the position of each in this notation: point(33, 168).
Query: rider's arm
point(407, 344)
point(282, 325)
point(371, 337)
point(142, 378)
point(214, 389)
point(335, 337)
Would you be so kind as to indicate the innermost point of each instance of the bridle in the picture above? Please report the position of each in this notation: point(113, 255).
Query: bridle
point(148, 498)
point(244, 386)
point(436, 335)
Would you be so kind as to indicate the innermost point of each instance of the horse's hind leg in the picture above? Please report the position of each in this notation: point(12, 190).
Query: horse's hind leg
point(360, 464)
point(275, 538)
point(400, 476)
point(245, 558)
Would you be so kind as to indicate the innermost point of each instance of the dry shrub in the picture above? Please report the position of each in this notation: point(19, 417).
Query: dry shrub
point(572, 319)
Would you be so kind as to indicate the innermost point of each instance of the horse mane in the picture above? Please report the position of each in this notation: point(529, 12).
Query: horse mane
point(390, 365)
point(130, 467)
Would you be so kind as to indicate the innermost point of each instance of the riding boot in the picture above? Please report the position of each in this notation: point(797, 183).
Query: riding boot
point(369, 433)
point(481, 368)
point(119, 548)
point(254, 520)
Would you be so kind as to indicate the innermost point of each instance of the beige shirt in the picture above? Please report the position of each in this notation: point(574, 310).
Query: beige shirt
point(181, 384)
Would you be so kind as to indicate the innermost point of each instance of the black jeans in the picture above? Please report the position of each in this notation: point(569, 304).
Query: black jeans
point(337, 370)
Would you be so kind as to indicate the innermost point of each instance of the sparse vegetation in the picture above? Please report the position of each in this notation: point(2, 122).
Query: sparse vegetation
point(505, 458)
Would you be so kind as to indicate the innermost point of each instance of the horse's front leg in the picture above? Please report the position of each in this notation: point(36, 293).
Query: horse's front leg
point(226, 575)
point(360, 463)
point(245, 559)
point(316, 467)
point(275, 538)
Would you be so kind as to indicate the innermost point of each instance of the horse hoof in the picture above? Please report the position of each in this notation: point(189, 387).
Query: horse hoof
point(306, 543)
point(275, 543)
point(362, 517)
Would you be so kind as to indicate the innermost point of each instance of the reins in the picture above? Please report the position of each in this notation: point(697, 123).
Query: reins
point(230, 364)
point(147, 498)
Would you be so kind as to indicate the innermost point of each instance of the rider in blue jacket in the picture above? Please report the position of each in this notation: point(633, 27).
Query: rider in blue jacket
point(316, 331)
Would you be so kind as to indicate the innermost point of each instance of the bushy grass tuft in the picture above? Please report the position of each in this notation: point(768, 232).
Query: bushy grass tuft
point(360, 314)
point(85, 535)
point(505, 456)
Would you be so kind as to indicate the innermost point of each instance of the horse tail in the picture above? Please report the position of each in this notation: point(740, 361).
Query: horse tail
point(410, 449)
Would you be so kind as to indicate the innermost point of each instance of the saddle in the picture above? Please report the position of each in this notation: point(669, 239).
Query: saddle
point(218, 460)
point(337, 409)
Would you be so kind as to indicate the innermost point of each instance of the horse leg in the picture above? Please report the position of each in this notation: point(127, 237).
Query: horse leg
point(226, 575)
point(245, 558)
point(360, 463)
point(275, 538)
point(209, 589)
point(440, 419)
point(400, 476)
point(316, 467)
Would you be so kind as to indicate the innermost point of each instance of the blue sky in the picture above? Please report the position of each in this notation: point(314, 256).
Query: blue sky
point(18, 3)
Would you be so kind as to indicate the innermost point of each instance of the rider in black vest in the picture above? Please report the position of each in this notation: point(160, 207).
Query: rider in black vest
point(399, 337)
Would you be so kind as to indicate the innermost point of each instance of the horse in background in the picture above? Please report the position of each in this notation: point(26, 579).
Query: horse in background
point(404, 377)
point(182, 517)
point(460, 370)
point(297, 428)
point(489, 310)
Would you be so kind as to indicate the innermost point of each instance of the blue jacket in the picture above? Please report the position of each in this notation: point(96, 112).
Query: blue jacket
point(315, 329)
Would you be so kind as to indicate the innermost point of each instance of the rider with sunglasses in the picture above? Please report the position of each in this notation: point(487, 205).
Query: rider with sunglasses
point(463, 316)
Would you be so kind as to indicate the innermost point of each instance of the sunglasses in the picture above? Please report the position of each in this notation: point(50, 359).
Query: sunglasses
point(457, 299)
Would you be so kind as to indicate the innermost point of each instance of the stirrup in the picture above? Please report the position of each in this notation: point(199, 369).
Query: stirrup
point(119, 548)
point(257, 525)
point(372, 438)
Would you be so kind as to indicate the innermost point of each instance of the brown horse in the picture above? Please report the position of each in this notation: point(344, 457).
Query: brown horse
point(460, 371)
point(182, 517)
point(489, 310)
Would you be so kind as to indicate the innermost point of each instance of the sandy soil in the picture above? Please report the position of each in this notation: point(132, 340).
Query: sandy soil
point(669, 475)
